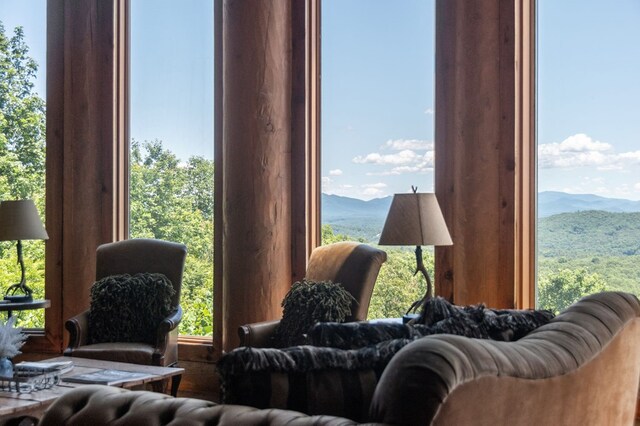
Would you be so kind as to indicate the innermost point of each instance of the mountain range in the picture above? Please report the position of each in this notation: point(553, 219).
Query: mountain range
point(364, 219)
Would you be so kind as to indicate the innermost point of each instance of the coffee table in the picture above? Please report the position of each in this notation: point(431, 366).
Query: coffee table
point(34, 403)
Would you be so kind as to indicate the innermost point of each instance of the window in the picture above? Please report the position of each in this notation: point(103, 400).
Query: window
point(171, 151)
point(22, 135)
point(588, 152)
point(377, 129)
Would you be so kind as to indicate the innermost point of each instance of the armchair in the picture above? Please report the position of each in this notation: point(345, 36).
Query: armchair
point(354, 265)
point(132, 257)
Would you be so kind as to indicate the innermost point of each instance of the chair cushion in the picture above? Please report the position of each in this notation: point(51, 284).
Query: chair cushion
point(128, 308)
point(132, 353)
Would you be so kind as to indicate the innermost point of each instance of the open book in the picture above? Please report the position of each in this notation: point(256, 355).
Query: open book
point(106, 377)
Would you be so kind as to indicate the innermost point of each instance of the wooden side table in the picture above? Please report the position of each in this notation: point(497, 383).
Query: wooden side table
point(9, 307)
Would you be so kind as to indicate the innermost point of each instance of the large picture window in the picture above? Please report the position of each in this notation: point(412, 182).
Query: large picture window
point(171, 152)
point(377, 129)
point(588, 150)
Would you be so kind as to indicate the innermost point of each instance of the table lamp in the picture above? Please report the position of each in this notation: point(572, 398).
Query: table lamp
point(19, 221)
point(416, 219)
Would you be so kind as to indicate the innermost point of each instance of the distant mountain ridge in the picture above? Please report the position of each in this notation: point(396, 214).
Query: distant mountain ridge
point(365, 219)
point(552, 202)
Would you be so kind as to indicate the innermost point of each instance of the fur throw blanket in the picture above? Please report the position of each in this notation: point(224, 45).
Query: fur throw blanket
point(438, 317)
point(370, 345)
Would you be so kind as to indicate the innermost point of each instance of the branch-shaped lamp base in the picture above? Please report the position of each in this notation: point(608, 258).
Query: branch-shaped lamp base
point(27, 295)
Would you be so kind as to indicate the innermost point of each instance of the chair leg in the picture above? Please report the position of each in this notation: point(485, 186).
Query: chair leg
point(175, 384)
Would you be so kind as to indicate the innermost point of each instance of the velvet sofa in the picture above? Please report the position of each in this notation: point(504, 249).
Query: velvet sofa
point(583, 367)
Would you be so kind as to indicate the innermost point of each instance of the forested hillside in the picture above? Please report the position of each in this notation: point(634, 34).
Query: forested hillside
point(589, 233)
point(606, 244)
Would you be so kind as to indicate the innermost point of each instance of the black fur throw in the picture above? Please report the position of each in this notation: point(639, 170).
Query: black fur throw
point(438, 317)
point(307, 303)
point(479, 321)
point(126, 308)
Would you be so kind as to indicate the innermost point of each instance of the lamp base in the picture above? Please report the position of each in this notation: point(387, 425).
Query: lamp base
point(21, 298)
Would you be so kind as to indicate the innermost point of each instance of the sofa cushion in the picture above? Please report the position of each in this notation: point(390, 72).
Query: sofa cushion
point(128, 308)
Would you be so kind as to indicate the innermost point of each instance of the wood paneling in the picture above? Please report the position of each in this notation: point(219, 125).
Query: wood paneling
point(256, 137)
point(475, 150)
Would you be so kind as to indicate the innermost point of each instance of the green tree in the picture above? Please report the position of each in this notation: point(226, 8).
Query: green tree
point(22, 158)
point(556, 292)
point(174, 201)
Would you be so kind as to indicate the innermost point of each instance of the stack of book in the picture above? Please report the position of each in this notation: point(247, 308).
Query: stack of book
point(37, 368)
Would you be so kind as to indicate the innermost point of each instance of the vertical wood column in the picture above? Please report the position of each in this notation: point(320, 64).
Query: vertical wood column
point(81, 146)
point(475, 149)
point(256, 246)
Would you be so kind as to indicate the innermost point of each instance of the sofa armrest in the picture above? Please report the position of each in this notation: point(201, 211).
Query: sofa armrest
point(78, 328)
point(103, 405)
point(258, 334)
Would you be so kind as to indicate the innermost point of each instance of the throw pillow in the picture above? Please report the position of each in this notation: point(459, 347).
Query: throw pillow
point(307, 303)
point(128, 308)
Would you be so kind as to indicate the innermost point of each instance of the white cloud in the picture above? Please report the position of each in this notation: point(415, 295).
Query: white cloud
point(581, 150)
point(335, 172)
point(413, 156)
point(413, 144)
point(429, 111)
point(406, 156)
point(378, 185)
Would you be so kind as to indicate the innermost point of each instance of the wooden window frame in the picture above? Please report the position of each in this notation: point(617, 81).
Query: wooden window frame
point(526, 154)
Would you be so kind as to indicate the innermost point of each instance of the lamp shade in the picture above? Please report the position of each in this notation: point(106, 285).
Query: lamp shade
point(415, 219)
point(19, 220)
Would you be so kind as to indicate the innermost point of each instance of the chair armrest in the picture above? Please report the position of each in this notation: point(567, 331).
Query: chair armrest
point(166, 348)
point(78, 328)
point(170, 322)
point(258, 334)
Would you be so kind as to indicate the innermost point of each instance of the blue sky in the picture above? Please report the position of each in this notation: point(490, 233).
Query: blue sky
point(377, 106)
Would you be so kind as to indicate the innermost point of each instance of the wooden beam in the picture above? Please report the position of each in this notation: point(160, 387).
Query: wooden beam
point(256, 246)
point(475, 150)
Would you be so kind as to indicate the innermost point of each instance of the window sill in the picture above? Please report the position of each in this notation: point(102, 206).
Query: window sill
point(197, 349)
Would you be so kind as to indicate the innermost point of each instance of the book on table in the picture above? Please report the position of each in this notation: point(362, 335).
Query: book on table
point(43, 367)
point(106, 377)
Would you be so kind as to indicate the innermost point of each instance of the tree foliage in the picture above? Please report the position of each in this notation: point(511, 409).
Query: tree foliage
point(556, 292)
point(174, 201)
point(22, 159)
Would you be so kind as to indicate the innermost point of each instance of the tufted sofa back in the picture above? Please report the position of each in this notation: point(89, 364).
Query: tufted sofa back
point(98, 405)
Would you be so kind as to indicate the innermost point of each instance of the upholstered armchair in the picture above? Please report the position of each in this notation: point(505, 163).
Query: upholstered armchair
point(354, 265)
point(132, 257)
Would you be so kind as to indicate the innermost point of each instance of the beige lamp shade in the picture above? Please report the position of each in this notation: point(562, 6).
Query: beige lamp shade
point(415, 219)
point(19, 220)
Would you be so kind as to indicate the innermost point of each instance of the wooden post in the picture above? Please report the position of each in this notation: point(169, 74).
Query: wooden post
point(82, 106)
point(475, 150)
point(256, 246)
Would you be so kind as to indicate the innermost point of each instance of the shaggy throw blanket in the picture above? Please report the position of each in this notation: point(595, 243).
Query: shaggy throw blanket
point(438, 317)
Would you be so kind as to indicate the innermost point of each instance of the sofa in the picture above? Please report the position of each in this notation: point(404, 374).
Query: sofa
point(582, 368)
